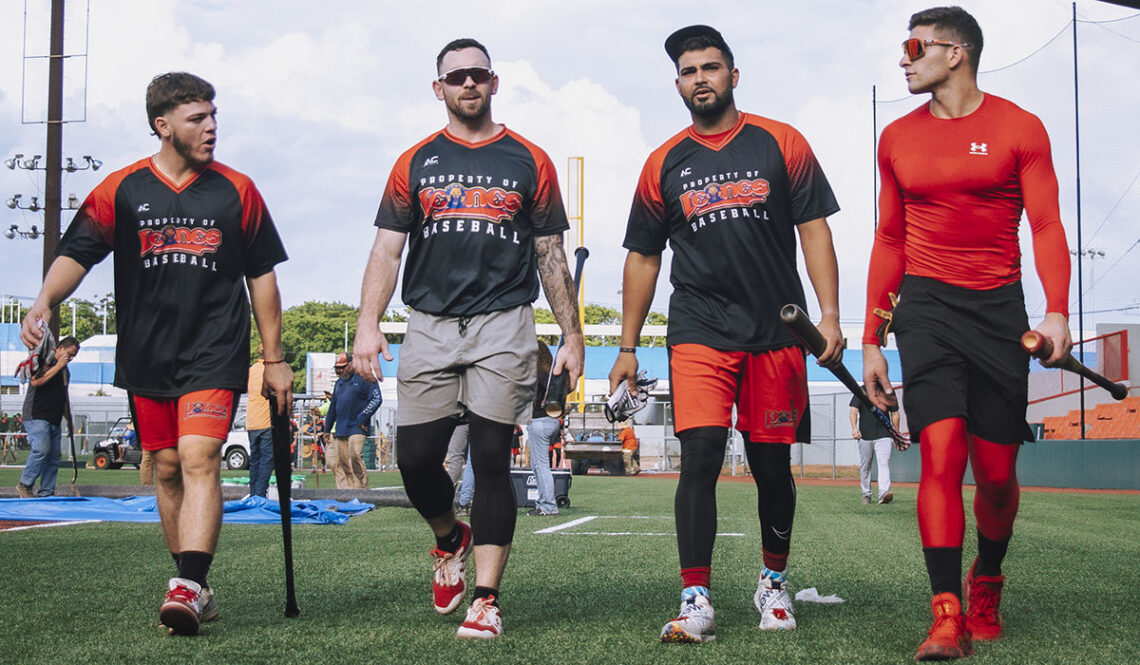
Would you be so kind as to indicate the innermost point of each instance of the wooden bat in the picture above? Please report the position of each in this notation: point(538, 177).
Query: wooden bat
point(1039, 346)
point(282, 466)
point(556, 387)
point(805, 331)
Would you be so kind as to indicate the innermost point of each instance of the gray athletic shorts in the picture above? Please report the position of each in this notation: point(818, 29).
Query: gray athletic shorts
point(490, 364)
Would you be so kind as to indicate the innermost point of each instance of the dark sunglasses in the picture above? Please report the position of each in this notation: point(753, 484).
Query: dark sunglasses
point(915, 48)
point(458, 77)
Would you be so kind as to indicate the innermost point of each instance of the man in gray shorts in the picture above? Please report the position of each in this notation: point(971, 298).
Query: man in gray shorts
point(479, 209)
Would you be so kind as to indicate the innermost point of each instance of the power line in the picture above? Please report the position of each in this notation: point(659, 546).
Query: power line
point(1114, 206)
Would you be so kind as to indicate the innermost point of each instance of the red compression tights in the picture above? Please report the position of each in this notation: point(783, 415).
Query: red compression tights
point(946, 447)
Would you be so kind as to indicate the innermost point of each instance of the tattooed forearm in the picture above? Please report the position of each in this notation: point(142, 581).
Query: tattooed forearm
point(557, 283)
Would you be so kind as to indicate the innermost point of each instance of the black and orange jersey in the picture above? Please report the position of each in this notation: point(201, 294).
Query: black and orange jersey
point(952, 195)
point(728, 208)
point(472, 212)
point(182, 253)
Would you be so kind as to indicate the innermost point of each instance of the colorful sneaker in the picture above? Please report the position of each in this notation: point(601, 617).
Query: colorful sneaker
point(948, 638)
point(886, 497)
point(983, 596)
point(483, 622)
point(772, 600)
point(449, 584)
point(187, 606)
point(695, 623)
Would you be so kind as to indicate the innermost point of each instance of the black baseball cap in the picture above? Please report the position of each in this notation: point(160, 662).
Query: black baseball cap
point(674, 41)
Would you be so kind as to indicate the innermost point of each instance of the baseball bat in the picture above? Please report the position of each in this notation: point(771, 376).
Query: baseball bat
point(1039, 346)
point(282, 467)
point(805, 331)
point(556, 385)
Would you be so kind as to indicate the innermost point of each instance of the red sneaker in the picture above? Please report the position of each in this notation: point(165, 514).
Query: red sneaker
point(187, 605)
point(448, 585)
point(948, 638)
point(983, 595)
point(483, 620)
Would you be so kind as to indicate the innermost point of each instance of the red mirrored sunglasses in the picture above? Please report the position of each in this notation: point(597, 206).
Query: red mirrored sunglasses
point(915, 48)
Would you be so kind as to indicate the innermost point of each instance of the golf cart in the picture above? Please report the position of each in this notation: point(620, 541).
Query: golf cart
point(110, 453)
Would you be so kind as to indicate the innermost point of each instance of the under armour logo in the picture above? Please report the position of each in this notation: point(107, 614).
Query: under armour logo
point(978, 149)
point(686, 172)
point(144, 207)
point(432, 161)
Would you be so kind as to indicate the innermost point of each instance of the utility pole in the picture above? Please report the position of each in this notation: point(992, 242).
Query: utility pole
point(53, 176)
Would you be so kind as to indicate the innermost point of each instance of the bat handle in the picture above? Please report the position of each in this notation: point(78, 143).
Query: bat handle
point(555, 402)
point(1036, 344)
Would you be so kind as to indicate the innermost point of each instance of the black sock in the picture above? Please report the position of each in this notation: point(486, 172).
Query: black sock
point(487, 592)
point(990, 555)
point(452, 541)
point(194, 565)
point(944, 566)
point(174, 555)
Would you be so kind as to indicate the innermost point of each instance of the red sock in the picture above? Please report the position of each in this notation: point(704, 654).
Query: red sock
point(697, 576)
point(775, 562)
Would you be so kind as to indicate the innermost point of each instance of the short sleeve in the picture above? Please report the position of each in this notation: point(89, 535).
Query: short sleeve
point(647, 230)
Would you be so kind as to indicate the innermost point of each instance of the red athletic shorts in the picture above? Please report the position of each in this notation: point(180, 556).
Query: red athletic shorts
point(769, 390)
point(161, 420)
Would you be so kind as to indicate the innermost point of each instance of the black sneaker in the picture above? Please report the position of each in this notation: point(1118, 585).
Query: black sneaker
point(538, 513)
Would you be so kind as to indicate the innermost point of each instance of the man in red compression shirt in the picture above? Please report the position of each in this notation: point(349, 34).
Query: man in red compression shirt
point(955, 175)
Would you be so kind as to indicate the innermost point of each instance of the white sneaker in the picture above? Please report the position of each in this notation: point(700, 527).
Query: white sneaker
point(773, 601)
point(187, 606)
point(483, 622)
point(695, 623)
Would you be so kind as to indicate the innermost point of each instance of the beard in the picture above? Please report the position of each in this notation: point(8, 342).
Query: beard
point(713, 107)
point(186, 152)
point(460, 108)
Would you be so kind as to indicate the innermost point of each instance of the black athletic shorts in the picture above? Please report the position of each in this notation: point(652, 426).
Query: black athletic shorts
point(961, 357)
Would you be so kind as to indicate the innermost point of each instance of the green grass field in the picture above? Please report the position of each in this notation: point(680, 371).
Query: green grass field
point(90, 593)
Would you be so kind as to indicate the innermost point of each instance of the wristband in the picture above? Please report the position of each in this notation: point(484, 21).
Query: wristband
point(273, 362)
point(627, 349)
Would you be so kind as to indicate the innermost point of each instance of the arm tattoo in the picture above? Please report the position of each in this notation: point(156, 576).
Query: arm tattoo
point(557, 283)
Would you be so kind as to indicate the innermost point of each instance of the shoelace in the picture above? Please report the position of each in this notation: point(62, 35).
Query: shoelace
point(443, 571)
point(483, 611)
point(984, 600)
point(183, 594)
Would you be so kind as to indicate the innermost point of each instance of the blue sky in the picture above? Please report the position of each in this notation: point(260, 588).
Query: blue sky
point(317, 101)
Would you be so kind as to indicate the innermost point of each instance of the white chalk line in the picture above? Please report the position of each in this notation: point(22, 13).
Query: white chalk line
point(560, 529)
point(51, 524)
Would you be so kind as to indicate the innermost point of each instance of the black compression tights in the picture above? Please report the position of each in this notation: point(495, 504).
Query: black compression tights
point(493, 509)
point(702, 456)
point(420, 452)
point(775, 491)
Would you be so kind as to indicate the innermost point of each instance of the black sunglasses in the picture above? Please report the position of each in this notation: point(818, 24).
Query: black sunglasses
point(459, 76)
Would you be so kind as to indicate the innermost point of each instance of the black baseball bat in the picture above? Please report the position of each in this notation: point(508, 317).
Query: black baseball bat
point(282, 467)
point(805, 331)
point(556, 385)
point(1040, 347)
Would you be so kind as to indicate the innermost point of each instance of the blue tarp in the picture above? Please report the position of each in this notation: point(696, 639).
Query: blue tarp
point(250, 510)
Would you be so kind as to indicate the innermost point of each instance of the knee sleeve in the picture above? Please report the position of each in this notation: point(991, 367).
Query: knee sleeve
point(493, 509)
point(694, 506)
point(420, 450)
point(775, 493)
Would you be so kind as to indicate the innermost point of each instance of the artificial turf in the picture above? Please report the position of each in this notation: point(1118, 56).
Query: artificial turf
point(90, 593)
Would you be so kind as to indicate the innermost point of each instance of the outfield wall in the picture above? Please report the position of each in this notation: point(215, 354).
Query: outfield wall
point(1088, 464)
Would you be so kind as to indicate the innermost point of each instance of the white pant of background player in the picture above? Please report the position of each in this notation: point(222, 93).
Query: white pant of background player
point(881, 448)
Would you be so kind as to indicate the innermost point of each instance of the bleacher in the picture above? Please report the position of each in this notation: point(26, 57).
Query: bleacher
point(1116, 420)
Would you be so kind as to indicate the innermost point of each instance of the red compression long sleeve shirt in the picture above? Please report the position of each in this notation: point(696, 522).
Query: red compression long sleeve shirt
point(951, 200)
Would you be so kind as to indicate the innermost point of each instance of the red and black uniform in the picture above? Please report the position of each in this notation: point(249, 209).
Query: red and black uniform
point(472, 212)
point(953, 192)
point(182, 254)
point(728, 206)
